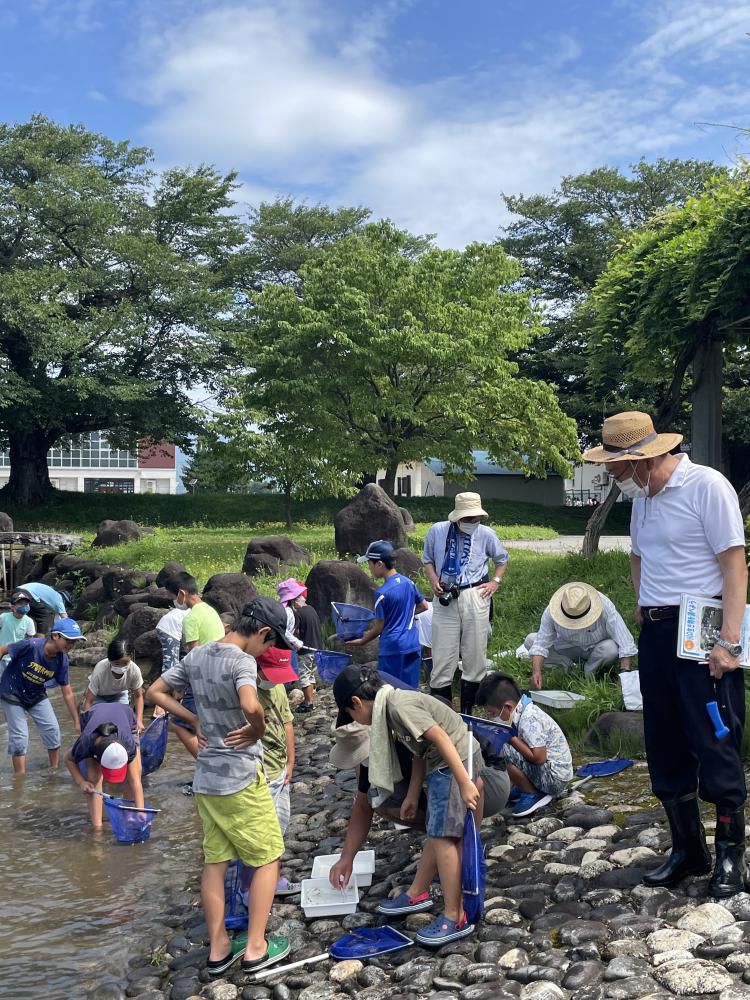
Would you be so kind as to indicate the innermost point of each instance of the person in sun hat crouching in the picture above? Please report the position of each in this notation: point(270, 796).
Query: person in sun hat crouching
point(580, 623)
point(687, 536)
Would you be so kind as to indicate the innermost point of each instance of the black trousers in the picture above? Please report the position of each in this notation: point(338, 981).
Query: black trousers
point(683, 753)
point(42, 616)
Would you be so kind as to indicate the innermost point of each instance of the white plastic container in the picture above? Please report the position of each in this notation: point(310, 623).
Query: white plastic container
point(320, 899)
point(363, 868)
point(556, 699)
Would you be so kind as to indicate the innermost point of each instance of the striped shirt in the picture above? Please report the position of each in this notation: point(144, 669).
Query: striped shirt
point(609, 626)
point(485, 545)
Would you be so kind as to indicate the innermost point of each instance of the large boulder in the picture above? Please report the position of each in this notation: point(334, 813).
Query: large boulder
point(168, 571)
point(272, 554)
point(6, 522)
point(159, 597)
point(229, 592)
point(618, 728)
point(407, 562)
point(33, 562)
point(141, 619)
point(91, 596)
point(148, 648)
point(117, 582)
point(70, 565)
point(336, 580)
point(409, 524)
point(370, 515)
point(118, 532)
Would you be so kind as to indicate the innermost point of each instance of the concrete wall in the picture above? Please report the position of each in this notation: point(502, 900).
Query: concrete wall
point(550, 492)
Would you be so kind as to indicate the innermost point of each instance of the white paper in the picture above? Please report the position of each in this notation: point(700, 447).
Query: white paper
point(700, 625)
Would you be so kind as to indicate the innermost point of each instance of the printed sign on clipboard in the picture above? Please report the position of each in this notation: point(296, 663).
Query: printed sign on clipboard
point(700, 627)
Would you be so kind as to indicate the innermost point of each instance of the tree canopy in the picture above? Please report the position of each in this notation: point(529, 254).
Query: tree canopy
point(392, 350)
point(111, 282)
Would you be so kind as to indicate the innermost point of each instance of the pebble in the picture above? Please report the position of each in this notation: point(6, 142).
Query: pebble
point(220, 991)
point(516, 958)
point(632, 856)
point(582, 974)
point(542, 991)
point(343, 971)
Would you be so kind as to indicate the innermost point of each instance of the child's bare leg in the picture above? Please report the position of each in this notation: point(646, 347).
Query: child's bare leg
point(425, 872)
point(448, 857)
point(309, 692)
point(96, 804)
point(54, 758)
point(19, 764)
point(519, 779)
point(259, 903)
point(212, 898)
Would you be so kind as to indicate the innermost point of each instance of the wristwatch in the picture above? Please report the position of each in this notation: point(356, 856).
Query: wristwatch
point(733, 648)
point(496, 579)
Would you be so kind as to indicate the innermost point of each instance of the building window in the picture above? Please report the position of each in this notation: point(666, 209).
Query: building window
point(403, 486)
point(90, 451)
point(108, 486)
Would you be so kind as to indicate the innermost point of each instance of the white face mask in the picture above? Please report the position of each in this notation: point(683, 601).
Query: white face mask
point(265, 685)
point(468, 527)
point(633, 489)
point(179, 605)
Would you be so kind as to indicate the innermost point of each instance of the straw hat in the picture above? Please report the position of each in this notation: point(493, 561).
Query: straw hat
point(631, 435)
point(467, 505)
point(575, 605)
point(352, 746)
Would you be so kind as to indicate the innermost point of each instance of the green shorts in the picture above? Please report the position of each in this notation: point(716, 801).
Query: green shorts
point(243, 825)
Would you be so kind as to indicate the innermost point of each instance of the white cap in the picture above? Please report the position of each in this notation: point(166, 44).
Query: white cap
point(114, 756)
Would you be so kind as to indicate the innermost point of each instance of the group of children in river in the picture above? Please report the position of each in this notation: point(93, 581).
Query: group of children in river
point(224, 686)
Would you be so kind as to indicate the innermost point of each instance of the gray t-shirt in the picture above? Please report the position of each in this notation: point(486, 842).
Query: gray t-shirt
point(411, 714)
point(216, 672)
point(537, 729)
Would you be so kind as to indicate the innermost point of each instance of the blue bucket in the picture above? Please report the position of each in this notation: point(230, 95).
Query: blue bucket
point(350, 620)
point(154, 745)
point(130, 826)
point(330, 664)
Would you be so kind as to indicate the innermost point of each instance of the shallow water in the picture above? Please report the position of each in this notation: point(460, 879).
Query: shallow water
point(74, 905)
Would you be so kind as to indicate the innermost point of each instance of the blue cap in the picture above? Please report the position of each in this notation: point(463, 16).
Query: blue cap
point(68, 628)
point(381, 549)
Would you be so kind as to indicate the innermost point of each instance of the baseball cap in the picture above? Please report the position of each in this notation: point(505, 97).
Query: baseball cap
point(352, 746)
point(276, 665)
point(68, 628)
point(381, 549)
point(350, 680)
point(268, 612)
point(114, 762)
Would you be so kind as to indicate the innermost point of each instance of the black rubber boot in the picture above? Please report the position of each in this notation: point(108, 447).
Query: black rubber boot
point(730, 870)
point(444, 692)
point(468, 694)
point(689, 855)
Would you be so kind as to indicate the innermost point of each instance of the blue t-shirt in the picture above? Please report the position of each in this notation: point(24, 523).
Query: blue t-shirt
point(121, 716)
point(395, 603)
point(29, 670)
point(46, 595)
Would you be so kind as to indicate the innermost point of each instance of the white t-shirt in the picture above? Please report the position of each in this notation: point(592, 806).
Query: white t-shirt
point(424, 626)
point(103, 683)
point(679, 532)
point(171, 623)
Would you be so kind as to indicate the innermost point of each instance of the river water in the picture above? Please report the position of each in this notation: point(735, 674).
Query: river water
point(74, 905)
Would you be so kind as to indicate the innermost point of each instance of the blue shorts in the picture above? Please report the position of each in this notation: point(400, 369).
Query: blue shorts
point(188, 702)
point(445, 807)
point(405, 666)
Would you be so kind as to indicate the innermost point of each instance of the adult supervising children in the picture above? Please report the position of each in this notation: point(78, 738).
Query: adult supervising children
point(32, 663)
point(687, 536)
point(456, 556)
point(397, 603)
point(16, 624)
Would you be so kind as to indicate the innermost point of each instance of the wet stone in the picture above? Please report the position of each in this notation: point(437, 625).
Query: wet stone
point(516, 958)
point(697, 977)
point(453, 966)
point(184, 988)
point(626, 968)
point(577, 932)
point(595, 992)
point(482, 973)
point(582, 974)
point(630, 989)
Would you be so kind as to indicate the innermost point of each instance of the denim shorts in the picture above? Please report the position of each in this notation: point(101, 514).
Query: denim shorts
point(445, 808)
point(188, 702)
point(44, 718)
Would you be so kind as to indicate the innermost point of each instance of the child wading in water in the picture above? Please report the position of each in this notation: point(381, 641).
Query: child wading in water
point(438, 739)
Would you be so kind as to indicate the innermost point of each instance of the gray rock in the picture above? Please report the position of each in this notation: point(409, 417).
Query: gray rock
point(631, 989)
point(220, 991)
point(370, 515)
point(340, 581)
point(111, 533)
point(577, 932)
point(626, 968)
point(706, 920)
point(670, 938)
point(582, 974)
point(229, 592)
point(697, 977)
point(273, 554)
point(613, 726)
point(453, 966)
point(542, 991)
point(482, 972)
point(735, 992)
point(407, 562)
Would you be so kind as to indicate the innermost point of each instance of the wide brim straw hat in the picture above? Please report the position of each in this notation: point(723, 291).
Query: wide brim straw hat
point(352, 746)
point(630, 435)
point(576, 605)
point(467, 505)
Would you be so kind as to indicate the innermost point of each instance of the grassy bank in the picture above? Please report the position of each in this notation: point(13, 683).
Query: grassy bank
point(82, 512)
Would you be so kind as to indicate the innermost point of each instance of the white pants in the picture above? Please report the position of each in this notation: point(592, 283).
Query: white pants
point(564, 654)
point(460, 631)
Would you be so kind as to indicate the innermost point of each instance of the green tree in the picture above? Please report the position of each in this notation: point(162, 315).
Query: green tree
point(111, 282)
point(565, 240)
point(392, 351)
point(216, 467)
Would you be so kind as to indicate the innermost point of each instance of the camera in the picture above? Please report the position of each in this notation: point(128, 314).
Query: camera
point(450, 594)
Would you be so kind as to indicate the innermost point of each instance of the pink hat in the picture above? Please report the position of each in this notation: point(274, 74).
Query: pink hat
point(289, 590)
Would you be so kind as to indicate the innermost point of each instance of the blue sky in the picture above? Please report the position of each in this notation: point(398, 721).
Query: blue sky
point(425, 110)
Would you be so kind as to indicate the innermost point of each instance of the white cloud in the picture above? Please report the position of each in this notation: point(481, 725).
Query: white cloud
point(702, 30)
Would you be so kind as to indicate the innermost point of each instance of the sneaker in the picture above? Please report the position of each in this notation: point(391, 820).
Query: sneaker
point(515, 795)
point(442, 930)
point(305, 707)
point(278, 948)
point(529, 802)
point(406, 904)
point(286, 888)
point(187, 788)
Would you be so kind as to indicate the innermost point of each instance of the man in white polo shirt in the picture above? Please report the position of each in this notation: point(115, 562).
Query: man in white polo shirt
point(687, 537)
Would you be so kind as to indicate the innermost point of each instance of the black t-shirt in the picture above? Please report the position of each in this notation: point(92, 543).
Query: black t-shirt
point(308, 626)
point(404, 759)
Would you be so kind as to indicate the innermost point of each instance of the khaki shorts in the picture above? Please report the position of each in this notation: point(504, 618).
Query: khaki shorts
point(243, 825)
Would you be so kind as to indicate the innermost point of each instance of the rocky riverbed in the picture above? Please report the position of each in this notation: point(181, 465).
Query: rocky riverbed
point(566, 915)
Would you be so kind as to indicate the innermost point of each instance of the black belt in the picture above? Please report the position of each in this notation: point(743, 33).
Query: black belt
point(661, 613)
point(480, 583)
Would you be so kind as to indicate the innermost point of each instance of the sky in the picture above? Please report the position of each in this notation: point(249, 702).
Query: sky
point(426, 111)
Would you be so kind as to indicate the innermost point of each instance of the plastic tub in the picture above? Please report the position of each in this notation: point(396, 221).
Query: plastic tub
point(330, 664)
point(363, 870)
point(130, 826)
point(320, 899)
point(350, 620)
point(556, 699)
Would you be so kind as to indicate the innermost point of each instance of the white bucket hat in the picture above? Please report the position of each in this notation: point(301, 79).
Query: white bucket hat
point(576, 605)
point(467, 505)
point(352, 746)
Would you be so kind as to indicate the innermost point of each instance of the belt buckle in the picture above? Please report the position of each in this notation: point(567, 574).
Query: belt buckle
point(650, 615)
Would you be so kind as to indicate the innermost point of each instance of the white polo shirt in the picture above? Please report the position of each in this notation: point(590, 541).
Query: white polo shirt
point(679, 532)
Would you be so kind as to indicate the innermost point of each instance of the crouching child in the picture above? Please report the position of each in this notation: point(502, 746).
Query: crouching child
point(538, 758)
point(439, 742)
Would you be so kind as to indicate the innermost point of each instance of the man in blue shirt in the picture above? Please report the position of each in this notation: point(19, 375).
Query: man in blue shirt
point(33, 662)
point(46, 604)
point(396, 605)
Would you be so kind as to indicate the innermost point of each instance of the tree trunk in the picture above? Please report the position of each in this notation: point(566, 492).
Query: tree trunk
point(706, 418)
point(28, 485)
point(389, 483)
point(596, 522)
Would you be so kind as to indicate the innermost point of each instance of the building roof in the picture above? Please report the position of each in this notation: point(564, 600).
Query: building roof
point(482, 466)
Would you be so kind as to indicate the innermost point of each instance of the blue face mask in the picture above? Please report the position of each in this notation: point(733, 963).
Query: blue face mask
point(22, 609)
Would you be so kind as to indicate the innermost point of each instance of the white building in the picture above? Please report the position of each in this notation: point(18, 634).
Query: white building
point(87, 464)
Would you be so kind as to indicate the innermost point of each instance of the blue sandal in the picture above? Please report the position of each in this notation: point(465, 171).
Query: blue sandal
point(442, 930)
